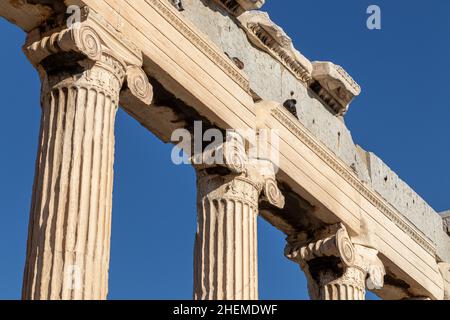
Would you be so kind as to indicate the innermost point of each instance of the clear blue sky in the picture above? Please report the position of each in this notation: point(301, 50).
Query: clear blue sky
point(403, 115)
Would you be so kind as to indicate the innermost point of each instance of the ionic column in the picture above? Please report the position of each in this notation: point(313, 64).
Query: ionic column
point(70, 218)
point(226, 248)
point(337, 269)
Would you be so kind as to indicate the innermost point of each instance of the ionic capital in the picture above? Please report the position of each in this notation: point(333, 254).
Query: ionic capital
point(92, 41)
point(336, 261)
point(368, 261)
point(232, 156)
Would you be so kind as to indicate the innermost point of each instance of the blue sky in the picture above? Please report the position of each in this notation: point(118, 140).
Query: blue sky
point(402, 115)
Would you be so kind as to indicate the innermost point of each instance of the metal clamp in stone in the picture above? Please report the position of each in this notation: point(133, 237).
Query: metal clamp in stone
point(334, 86)
point(97, 41)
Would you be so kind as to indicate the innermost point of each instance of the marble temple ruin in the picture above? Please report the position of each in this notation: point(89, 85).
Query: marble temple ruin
point(351, 224)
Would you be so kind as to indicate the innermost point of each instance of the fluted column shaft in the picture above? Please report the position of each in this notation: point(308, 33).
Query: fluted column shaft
point(230, 187)
point(226, 252)
point(70, 219)
point(84, 68)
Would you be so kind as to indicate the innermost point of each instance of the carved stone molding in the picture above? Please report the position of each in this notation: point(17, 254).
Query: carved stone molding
point(334, 86)
point(201, 42)
point(271, 38)
point(137, 84)
point(238, 7)
point(297, 129)
point(337, 269)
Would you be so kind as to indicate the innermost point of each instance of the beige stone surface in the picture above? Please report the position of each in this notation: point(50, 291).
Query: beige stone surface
point(269, 37)
point(70, 219)
point(86, 73)
point(337, 87)
point(226, 241)
point(408, 253)
point(226, 246)
point(238, 7)
point(446, 219)
point(445, 270)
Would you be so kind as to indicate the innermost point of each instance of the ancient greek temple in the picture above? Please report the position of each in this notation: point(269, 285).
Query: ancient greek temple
point(351, 224)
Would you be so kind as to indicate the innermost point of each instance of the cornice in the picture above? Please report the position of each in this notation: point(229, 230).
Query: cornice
point(271, 38)
point(334, 86)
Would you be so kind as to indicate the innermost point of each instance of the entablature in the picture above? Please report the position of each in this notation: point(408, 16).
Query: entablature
point(198, 72)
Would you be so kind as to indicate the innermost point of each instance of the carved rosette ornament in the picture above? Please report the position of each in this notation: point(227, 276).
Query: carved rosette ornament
point(228, 196)
point(83, 69)
point(337, 269)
